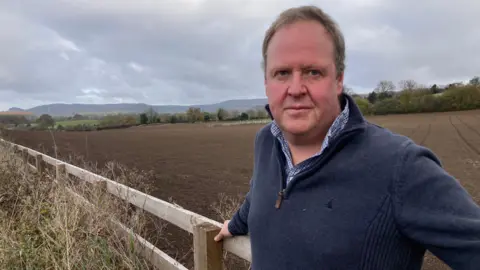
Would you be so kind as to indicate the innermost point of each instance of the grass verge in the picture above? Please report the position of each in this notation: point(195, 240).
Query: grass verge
point(42, 226)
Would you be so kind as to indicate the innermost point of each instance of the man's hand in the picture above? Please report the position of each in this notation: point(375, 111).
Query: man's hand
point(224, 233)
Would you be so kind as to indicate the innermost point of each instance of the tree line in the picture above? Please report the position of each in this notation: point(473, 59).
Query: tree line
point(416, 98)
point(195, 114)
point(150, 116)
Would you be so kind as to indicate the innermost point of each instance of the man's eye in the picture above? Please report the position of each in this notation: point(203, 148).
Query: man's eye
point(281, 73)
point(314, 72)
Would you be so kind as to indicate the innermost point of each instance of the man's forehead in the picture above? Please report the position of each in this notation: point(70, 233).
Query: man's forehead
point(296, 41)
point(300, 55)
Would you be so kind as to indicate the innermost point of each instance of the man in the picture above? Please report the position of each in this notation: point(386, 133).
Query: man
point(330, 190)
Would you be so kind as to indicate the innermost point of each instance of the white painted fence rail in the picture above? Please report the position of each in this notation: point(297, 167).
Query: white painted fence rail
point(207, 252)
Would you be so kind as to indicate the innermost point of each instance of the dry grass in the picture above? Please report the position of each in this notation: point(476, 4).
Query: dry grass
point(225, 208)
point(42, 226)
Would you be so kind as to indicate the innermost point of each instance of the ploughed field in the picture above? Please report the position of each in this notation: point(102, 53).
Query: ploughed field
point(195, 163)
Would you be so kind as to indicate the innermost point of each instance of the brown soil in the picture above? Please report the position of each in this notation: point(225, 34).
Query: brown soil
point(195, 163)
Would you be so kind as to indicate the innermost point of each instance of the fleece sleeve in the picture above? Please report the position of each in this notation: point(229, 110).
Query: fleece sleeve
point(239, 223)
point(433, 209)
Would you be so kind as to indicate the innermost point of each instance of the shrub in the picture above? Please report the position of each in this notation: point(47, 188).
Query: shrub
point(387, 106)
point(365, 106)
point(461, 98)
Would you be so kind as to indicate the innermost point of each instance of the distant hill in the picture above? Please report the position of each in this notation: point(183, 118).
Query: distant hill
point(15, 109)
point(61, 109)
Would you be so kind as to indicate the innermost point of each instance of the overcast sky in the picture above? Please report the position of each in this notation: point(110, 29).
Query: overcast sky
point(206, 51)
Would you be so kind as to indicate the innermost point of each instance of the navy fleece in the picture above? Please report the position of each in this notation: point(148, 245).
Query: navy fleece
point(375, 200)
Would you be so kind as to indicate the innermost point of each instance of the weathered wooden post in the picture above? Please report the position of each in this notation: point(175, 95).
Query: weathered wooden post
point(39, 164)
point(25, 155)
point(207, 253)
point(61, 173)
point(25, 160)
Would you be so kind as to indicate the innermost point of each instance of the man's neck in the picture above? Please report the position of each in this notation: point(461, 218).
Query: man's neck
point(302, 149)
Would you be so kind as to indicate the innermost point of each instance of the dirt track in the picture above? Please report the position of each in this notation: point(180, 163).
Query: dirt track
point(195, 163)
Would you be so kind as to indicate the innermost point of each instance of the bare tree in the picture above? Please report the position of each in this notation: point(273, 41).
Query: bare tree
point(385, 86)
point(475, 81)
point(408, 85)
point(195, 114)
point(385, 89)
point(152, 115)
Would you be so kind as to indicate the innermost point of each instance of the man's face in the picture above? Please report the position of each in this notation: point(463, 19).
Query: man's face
point(301, 82)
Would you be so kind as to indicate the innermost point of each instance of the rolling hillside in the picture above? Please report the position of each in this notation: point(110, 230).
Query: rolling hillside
point(59, 109)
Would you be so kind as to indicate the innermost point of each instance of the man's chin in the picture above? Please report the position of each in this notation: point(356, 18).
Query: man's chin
point(297, 129)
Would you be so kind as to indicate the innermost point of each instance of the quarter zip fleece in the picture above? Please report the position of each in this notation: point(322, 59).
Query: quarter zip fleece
point(374, 200)
point(335, 144)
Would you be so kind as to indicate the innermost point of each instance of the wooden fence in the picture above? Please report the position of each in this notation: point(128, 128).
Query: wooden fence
point(207, 252)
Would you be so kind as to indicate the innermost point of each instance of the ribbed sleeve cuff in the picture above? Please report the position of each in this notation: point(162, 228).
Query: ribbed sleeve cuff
point(236, 226)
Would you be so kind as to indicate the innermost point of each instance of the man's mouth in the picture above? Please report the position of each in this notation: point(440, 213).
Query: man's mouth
point(298, 108)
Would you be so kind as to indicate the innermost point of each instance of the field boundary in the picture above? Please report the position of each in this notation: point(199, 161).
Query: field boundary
point(241, 122)
point(207, 252)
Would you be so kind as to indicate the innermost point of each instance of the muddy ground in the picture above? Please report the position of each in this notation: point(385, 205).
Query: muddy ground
point(195, 163)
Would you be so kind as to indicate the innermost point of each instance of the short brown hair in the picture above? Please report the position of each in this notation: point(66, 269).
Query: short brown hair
point(308, 13)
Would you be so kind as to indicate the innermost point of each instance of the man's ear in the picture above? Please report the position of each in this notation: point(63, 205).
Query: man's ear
point(265, 83)
point(340, 84)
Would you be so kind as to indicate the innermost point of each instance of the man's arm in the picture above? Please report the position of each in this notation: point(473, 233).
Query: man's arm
point(238, 225)
point(433, 209)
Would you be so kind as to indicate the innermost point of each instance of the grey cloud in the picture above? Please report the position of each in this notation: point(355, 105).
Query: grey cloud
point(184, 52)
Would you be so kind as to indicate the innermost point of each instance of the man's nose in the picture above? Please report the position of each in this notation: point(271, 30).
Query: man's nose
point(297, 85)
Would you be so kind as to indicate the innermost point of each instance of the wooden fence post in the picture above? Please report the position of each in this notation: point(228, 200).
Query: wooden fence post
point(60, 172)
point(39, 164)
point(207, 253)
point(25, 155)
point(25, 159)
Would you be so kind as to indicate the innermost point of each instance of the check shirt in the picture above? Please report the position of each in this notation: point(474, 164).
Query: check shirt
point(333, 131)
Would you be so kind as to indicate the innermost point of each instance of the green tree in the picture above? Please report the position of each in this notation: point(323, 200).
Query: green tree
point(243, 116)
point(388, 106)
point(173, 119)
point(365, 106)
point(143, 118)
point(46, 121)
point(372, 97)
point(222, 114)
point(207, 117)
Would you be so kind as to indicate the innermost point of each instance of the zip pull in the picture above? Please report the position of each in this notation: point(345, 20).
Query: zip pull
point(279, 199)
